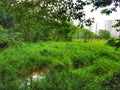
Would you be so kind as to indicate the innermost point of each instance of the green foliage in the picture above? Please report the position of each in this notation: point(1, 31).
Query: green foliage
point(9, 38)
point(104, 34)
point(113, 82)
point(81, 59)
point(88, 35)
point(64, 66)
point(37, 21)
point(117, 24)
point(63, 81)
point(104, 3)
point(111, 42)
point(85, 34)
point(103, 66)
point(3, 35)
point(6, 18)
point(114, 42)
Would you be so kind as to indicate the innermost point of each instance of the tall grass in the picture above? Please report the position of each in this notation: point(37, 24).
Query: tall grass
point(67, 66)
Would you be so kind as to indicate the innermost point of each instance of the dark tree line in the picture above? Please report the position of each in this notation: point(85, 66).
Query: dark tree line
point(46, 19)
point(41, 19)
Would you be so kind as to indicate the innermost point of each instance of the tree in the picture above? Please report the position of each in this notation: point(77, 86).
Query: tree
point(38, 19)
point(6, 18)
point(104, 3)
point(45, 16)
point(104, 34)
point(87, 35)
point(117, 24)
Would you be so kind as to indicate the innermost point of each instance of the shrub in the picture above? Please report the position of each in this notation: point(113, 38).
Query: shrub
point(111, 42)
point(104, 34)
point(82, 59)
point(113, 82)
point(9, 38)
point(101, 67)
point(67, 66)
point(114, 42)
point(87, 35)
point(8, 77)
point(64, 80)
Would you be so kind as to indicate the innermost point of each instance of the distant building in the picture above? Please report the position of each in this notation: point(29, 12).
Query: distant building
point(104, 25)
point(108, 26)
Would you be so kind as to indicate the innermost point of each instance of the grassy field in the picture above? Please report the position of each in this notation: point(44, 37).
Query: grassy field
point(64, 66)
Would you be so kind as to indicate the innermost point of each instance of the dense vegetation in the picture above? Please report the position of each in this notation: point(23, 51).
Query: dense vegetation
point(104, 34)
point(62, 65)
point(41, 19)
point(35, 56)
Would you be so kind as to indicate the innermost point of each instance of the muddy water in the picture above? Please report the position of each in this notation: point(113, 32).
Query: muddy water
point(27, 82)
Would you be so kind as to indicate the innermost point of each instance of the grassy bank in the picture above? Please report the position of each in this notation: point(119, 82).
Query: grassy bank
point(66, 66)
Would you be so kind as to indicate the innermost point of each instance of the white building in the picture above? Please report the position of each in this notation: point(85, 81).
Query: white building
point(104, 25)
point(108, 26)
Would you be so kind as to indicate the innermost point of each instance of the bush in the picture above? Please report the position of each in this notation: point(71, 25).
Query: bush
point(3, 38)
point(9, 38)
point(113, 82)
point(82, 59)
point(103, 66)
point(87, 35)
point(104, 34)
point(65, 66)
point(64, 80)
point(111, 42)
point(114, 42)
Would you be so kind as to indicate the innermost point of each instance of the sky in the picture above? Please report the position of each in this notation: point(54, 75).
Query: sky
point(100, 18)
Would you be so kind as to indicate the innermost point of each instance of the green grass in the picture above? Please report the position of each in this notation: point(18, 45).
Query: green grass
point(67, 66)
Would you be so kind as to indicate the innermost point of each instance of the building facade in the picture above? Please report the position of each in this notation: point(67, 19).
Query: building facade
point(108, 26)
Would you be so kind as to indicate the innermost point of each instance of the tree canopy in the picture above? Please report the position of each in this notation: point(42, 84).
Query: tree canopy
point(42, 19)
point(48, 19)
point(104, 3)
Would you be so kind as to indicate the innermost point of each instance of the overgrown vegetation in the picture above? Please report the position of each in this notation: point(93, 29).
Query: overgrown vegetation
point(84, 34)
point(35, 56)
point(41, 19)
point(63, 66)
point(104, 34)
point(115, 42)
